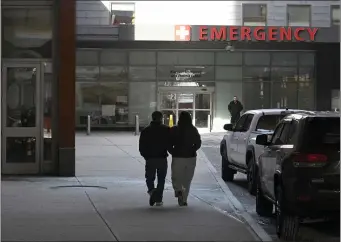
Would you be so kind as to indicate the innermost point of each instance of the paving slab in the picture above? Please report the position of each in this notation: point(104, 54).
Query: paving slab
point(107, 201)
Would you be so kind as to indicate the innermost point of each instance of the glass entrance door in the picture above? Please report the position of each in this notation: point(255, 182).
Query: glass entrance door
point(199, 105)
point(21, 123)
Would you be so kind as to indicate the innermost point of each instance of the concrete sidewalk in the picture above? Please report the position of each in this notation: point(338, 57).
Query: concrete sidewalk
point(115, 205)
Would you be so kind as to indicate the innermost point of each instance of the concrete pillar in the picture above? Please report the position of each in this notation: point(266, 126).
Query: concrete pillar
point(64, 69)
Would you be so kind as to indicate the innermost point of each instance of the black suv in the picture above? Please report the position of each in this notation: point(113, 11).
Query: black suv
point(299, 171)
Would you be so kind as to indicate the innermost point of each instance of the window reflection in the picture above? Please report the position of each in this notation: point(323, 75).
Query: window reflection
point(284, 59)
point(48, 80)
point(107, 103)
point(284, 95)
point(256, 95)
point(284, 74)
point(256, 73)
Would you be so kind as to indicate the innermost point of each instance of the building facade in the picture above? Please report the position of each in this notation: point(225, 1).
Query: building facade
point(176, 70)
point(63, 60)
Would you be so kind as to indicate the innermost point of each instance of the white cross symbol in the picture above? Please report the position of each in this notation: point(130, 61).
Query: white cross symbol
point(182, 32)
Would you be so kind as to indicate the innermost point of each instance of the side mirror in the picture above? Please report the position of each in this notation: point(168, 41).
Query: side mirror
point(262, 139)
point(228, 127)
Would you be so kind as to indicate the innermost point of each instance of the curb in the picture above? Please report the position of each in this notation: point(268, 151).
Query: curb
point(235, 204)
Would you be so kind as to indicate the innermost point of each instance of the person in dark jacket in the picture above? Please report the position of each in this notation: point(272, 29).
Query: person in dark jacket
point(235, 107)
point(184, 143)
point(153, 145)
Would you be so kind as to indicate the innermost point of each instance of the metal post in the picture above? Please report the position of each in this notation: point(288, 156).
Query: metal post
point(88, 126)
point(137, 125)
point(209, 122)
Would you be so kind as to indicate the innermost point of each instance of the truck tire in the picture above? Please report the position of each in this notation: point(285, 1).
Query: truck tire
point(287, 225)
point(227, 174)
point(264, 207)
point(251, 175)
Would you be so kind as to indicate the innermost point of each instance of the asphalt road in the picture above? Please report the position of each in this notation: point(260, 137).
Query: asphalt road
point(317, 231)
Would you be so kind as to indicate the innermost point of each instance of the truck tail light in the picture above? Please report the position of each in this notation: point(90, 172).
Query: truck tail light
point(310, 160)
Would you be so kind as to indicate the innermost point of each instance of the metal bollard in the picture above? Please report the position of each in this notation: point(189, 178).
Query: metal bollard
point(137, 125)
point(209, 122)
point(88, 126)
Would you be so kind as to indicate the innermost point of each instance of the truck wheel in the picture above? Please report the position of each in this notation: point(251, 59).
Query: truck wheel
point(227, 174)
point(251, 176)
point(264, 207)
point(287, 226)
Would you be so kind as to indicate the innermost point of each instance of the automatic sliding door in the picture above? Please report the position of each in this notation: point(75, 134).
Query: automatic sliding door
point(203, 107)
point(21, 118)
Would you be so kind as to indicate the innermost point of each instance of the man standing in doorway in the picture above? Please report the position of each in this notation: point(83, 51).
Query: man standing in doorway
point(235, 107)
point(153, 146)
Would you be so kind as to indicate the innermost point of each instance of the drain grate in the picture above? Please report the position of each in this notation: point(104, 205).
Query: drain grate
point(79, 186)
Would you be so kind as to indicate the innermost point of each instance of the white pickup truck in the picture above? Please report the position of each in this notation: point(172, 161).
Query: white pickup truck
point(238, 148)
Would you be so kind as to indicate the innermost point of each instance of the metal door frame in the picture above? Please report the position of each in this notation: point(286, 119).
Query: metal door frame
point(189, 90)
point(22, 168)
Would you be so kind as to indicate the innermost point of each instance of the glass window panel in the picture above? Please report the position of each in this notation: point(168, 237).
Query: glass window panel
point(256, 74)
point(186, 84)
point(87, 73)
point(107, 103)
point(21, 96)
point(142, 58)
point(113, 57)
point(201, 119)
point(185, 73)
point(122, 13)
point(257, 58)
point(298, 15)
point(202, 101)
point(27, 32)
point(254, 14)
point(114, 73)
point(142, 73)
point(284, 59)
point(87, 57)
point(284, 74)
point(168, 100)
point(256, 95)
point(142, 101)
point(335, 12)
point(228, 58)
point(185, 100)
point(229, 73)
point(306, 74)
point(224, 93)
point(21, 150)
point(306, 59)
point(284, 95)
point(185, 58)
point(306, 96)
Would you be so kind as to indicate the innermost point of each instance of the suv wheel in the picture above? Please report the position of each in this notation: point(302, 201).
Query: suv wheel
point(251, 176)
point(227, 174)
point(264, 207)
point(287, 226)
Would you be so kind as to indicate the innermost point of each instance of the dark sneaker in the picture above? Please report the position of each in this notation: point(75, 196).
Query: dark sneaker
point(158, 204)
point(152, 194)
point(180, 198)
point(185, 204)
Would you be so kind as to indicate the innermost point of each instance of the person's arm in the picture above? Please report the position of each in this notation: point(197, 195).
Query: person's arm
point(197, 139)
point(142, 143)
point(229, 107)
point(241, 107)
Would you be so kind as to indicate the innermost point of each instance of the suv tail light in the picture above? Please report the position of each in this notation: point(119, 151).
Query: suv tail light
point(310, 160)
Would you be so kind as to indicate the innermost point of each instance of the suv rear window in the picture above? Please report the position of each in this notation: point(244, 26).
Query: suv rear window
point(322, 134)
point(269, 122)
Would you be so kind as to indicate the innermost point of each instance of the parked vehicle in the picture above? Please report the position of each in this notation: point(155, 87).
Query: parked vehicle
point(238, 148)
point(299, 171)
